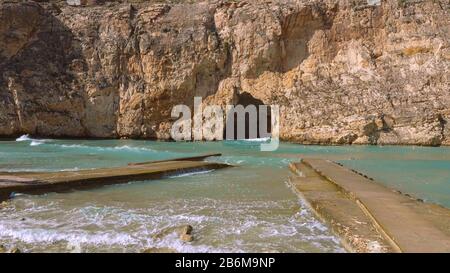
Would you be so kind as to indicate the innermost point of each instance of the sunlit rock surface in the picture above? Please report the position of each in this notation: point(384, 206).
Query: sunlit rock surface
point(342, 71)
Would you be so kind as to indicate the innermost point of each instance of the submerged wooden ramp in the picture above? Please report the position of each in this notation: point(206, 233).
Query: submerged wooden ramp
point(42, 182)
point(368, 216)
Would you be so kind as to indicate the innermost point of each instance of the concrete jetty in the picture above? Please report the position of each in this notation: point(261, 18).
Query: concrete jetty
point(368, 216)
point(191, 158)
point(42, 182)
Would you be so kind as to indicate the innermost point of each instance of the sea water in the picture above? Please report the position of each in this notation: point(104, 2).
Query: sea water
point(248, 208)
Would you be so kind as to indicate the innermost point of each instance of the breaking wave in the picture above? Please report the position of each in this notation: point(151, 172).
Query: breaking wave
point(24, 138)
point(190, 173)
point(264, 139)
point(106, 148)
point(33, 141)
point(37, 142)
point(54, 227)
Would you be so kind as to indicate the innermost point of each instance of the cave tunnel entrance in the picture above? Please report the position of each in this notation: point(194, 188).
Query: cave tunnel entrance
point(263, 128)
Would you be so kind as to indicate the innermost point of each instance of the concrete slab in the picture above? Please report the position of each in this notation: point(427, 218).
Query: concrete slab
point(410, 225)
point(342, 214)
point(41, 182)
point(192, 158)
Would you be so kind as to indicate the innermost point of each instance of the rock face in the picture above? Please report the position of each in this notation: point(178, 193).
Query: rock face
point(341, 71)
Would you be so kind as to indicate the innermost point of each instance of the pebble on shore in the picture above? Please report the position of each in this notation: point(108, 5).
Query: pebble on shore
point(184, 232)
point(187, 238)
point(14, 250)
point(3, 204)
point(3, 249)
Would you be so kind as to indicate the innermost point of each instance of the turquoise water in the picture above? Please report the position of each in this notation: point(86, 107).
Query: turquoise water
point(249, 208)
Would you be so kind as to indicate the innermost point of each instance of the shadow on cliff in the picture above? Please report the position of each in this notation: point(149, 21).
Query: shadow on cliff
point(40, 63)
point(298, 29)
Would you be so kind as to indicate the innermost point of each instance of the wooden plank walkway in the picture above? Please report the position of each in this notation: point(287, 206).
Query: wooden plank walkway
point(407, 224)
point(42, 182)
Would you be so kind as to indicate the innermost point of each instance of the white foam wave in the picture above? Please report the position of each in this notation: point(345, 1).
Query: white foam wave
point(72, 169)
point(94, 228)
point(36, 143)
point(111, 149)
point(263, 139)
point(33, 141)
point(24, 138)
point(189, 174)
point(39, 235)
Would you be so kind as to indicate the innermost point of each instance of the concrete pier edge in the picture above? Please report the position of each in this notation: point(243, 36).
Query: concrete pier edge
point(407, 225)
point(44, 182)
point(366, 211)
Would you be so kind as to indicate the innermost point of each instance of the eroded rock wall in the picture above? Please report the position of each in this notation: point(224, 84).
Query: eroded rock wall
point(341, 71)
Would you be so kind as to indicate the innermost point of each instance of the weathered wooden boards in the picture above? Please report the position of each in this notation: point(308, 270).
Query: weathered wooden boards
point(41, 182)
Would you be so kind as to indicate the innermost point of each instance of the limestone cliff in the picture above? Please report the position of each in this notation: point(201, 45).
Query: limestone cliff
point(341, 71)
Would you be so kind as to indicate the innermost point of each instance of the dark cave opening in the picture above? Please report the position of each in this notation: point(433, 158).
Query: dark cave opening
point(255, 127)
